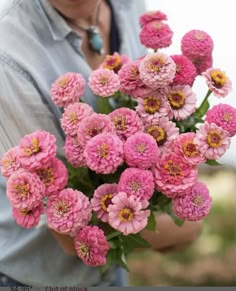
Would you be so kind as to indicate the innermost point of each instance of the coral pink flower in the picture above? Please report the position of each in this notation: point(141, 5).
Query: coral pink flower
point(104, 153)
point(212, 140)
point(173, 176)
point(182, 101)
point(224, 116)
point(185, 71)
point(28, 218)
point(150, 16)
point(141, 151)
point(194, 206)
point(102, 199)
point(217, 82)
point(92, 126)
point(104, 82)
point(36, 149)
point(202, 64)
point(137, 182)
point(157, 70)
point(54, 177)
point(68, 211)
point(25, 189)
point(126, 213)
point(9, 162)
point(126, 122)
point(67, 89)
point(91, 246)
point(73, 115)
point(74, 152)
point(114, 62)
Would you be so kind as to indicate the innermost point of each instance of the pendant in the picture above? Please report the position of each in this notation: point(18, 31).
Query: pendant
point(95, 40)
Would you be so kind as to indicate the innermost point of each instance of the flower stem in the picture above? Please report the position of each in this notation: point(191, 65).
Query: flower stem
point(112, 235)
point(202, 109)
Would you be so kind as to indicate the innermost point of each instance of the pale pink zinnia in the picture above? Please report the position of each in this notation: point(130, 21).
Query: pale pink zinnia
point(151, 16)
point(104, 82)
point(127, 214)
point(217, 82)
point(224, 116)
point(194, 206)
point(141, 151)
point(91, 246)
point(67, 89)
point(68, 211)
point(25, 189)
point(102, 199)
point(137, 182)
point(157, 70)
point(36, 149)
point(104, 153)
point(74, 152)
point(212, 140)
point(9, 163)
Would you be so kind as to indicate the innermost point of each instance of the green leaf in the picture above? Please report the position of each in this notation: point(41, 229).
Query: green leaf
point(104, 105)
point(151, 225)
point(213, 163)
point(133, 241)
point(176, 220)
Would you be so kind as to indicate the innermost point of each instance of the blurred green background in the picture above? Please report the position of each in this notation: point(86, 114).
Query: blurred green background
point(211, 259)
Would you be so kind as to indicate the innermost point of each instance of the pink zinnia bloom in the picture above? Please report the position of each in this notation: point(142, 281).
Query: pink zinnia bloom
point(25, 189)
point(74, 152)
point(194, 206)
point(224, 116)
point(54, 177)
point(102, 199)
point(114, 62)
point(67, 89)
point(182, 101)
point(92, 126)
point(141, 151)
point(212, 140)
point(36, 150)
point(136, 182)
point(28, 218)
point(126, 213)
point(151, 16)
point(104, 153)
point(173, 176)
point(91, 246)
point(217, 82)
point(185, 71)
point(9, 162)
point(157, 70)
point(73, 115)
point(68, 211)
point(126, 122)
point(163, 131)
point(104, 82)
point(202, 64)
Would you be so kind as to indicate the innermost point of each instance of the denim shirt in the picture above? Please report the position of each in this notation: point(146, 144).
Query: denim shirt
point(36, 47)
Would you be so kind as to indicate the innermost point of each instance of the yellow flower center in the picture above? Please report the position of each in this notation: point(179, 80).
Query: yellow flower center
point(112, 62)
point(73, 117)
point(62, 208)
point(62, 82)
point(106, 201)
point(134, 72)
point(126, 214)
point(199, 35)
point(119, 122)
point(152, 104)
point(190, 149)
point(141, 147)
point(227, 116)
point(7, 162)
point(104, 80)
point(25, 211)
point(172, 168)
point(103, 151)
point(214, 138)
point(22, 190)
point(176, 99)
point(46, 176)
point(218, 78)
point(198, 200)
point(135, 186)
point(155, 64)
point(84, 250)
point(158, 133)
point(33, 149)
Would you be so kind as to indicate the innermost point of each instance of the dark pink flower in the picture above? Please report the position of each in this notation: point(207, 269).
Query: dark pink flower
point(151, 16)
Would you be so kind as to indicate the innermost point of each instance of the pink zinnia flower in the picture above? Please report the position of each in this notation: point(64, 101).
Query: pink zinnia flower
point(157, 70)
point(73, 115)
point(104, 82)
point(194, 206)
point(92, 126)
point(126, 122)
point(114, 62)
point(36, 149)
point(28, 218)
point(151, 16)
point(126, 213)
point(185, 71)
point(74, 152)
point(224, 116)
point(137, 182)
point(173, 176)
point(9, 162)
point(182, 101)
point(54, 177)
point(141, 151)
point(25, 189)
point(217, 82)
point(104, 153)
point(212, 140)
point(67, 89)
point(68, 211)
point(91, 246)
point(102, 199)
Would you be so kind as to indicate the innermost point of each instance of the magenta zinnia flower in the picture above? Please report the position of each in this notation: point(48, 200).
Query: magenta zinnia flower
point(202, 64)
point(151, 16)
point(91, 246)
point(194, 206)
point(9, 162)
point(74, 152)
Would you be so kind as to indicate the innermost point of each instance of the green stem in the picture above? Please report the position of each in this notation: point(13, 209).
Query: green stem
point(200, 111)
point(206, 98)
point(112, 235)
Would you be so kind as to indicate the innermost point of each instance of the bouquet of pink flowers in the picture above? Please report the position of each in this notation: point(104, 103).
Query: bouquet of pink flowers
point(138, 155)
